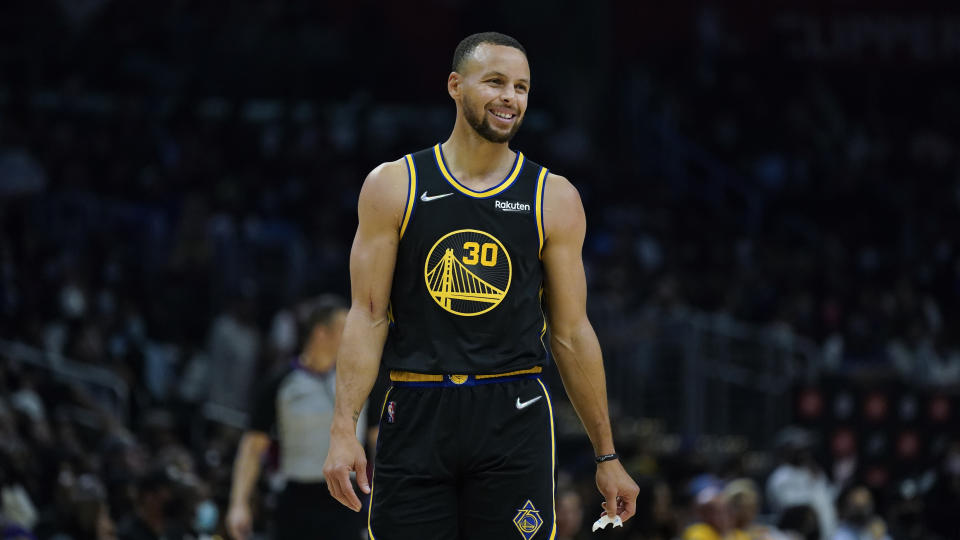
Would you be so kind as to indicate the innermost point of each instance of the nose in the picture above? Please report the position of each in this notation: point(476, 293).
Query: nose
point(508, 94)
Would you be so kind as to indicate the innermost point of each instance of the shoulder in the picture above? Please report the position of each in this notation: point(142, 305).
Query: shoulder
point(559, 191)
point(387, 177)
point(384, 191)
point(562, 207)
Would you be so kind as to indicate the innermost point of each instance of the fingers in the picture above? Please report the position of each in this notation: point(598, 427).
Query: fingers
point(349, 495)
point(362, 481)
point(343, 457)
point(332, 486)
point(611, 504)
point(338, 482)
point(629, 507)
point(619, 490)
point(625, 508)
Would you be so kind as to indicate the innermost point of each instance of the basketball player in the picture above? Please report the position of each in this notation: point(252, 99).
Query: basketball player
point(297, 402)
point(457, 249)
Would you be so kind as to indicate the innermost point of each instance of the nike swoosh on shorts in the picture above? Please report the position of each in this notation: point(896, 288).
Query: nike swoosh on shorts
point(527, 403)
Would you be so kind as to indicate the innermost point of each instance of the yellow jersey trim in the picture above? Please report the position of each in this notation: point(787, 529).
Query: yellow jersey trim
point(499, 188)
point(409, 376)
point(543, 331)
point(553, 459)
point(411, 193)
point(535, 369)
point(373, 479)
point(538, 204)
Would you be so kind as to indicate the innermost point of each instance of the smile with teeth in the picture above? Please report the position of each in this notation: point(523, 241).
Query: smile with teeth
point(503, 115)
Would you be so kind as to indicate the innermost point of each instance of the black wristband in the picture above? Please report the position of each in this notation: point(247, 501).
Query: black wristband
point(606, 457)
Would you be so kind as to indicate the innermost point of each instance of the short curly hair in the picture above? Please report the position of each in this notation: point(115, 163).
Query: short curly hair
point(471, 42)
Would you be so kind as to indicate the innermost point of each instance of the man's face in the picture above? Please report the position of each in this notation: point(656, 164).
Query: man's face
point(494, 88)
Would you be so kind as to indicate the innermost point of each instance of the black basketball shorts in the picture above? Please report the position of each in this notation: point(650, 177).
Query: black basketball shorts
point(464, 458)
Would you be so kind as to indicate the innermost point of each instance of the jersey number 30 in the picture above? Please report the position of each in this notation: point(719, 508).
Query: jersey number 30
point(485, 254)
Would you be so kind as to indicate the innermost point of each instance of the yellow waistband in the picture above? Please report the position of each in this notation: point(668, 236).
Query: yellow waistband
point(409, 376)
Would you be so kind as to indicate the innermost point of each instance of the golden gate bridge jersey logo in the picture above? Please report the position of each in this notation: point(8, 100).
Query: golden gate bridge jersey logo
point(468, 272)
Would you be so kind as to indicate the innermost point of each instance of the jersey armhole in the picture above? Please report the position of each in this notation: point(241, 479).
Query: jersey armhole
point(538, 204)
point(411, 193)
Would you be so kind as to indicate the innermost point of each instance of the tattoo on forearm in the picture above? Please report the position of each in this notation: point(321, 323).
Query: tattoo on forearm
point(356, 416)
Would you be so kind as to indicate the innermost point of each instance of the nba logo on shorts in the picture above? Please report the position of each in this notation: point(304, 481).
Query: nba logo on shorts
point(391, 411)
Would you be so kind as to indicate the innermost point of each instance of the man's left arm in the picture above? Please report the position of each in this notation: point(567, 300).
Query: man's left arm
point(572, 339)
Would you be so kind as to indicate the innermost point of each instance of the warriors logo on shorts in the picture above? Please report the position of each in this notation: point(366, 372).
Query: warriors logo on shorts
point(528, 520)
point(468, 272)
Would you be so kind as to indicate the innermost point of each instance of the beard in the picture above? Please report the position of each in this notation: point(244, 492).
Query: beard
point(481, 124)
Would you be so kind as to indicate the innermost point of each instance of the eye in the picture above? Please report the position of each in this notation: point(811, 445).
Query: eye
point(521, 88)
point(496, 81)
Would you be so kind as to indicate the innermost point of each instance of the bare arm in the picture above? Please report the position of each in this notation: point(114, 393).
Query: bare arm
point(572, 339)
point(372, 260)
point(246, 469)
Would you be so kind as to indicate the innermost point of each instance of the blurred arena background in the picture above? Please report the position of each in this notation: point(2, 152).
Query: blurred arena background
point(773, 250)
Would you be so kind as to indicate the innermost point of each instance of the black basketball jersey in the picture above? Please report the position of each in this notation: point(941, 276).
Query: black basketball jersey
point(467, 285)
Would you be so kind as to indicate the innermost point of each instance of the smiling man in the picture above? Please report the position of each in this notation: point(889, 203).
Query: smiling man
point(465, 254)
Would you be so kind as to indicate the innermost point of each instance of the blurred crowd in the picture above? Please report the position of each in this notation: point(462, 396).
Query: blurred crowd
point(857, 241)
point(162, 226)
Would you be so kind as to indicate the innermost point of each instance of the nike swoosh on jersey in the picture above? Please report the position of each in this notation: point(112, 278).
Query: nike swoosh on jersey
point(525, 404)
point(427, 198)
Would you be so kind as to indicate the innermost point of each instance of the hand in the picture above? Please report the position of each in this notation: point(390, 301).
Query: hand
point(239, 521)
point(346, 455)
point(619, 490)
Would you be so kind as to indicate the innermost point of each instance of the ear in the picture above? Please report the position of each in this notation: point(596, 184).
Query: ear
point(453, 84)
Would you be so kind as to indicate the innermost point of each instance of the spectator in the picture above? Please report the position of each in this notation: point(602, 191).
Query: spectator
point(569, 515)
point(799, 481)
point(89, 513)
point(656, 517)
point(234, 345)
point(744, 503)
point(800, 523)
point(712, 514)
point(17, 512)
point(858, 520)
point(165, 507)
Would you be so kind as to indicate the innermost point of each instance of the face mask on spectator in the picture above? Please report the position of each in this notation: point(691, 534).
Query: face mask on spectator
point(206, 516)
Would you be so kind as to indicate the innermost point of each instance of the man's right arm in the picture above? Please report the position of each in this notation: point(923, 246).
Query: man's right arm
point(372, 259)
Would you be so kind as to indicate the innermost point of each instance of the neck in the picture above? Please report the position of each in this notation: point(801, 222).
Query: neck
point(472, 156)
point(316, 360)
